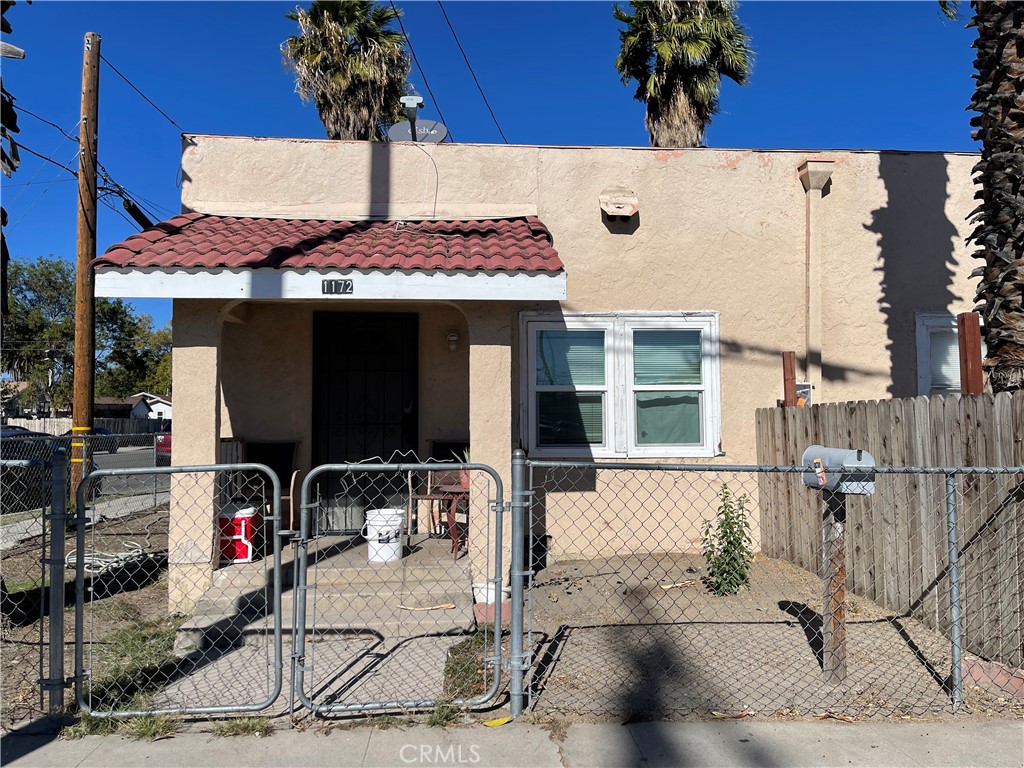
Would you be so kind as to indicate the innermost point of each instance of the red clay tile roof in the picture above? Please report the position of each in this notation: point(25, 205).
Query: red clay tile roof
point(195, 240)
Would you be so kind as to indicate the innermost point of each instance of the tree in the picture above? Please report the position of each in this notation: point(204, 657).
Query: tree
point(999, 234)
point(39, 337)
point(678, 52)
point(350, 64)
point(140, 361)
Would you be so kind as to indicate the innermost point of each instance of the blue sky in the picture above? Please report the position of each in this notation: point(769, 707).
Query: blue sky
point(827, 75)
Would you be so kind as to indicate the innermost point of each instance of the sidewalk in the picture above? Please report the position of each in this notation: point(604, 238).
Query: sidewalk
point(994, 743)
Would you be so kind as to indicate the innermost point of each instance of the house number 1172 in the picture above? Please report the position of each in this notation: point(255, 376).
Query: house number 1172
point(337, 287)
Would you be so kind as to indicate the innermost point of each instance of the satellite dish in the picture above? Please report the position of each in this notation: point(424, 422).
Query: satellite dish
point(427, 131)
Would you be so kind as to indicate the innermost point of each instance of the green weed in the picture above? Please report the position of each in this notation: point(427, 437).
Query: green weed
point(244, 726)
point(88, 725)
point(149, 727)
point(443, 715)
point(727, 545)
point(464, 666)
point(134, 661)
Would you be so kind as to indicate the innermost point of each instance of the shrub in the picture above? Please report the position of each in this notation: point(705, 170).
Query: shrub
point(727, 545)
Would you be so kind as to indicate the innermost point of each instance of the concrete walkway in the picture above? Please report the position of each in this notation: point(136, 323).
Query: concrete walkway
point(994, 743)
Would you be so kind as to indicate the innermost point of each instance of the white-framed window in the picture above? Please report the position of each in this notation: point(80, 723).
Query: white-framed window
point(938, 354)
point(624, 384)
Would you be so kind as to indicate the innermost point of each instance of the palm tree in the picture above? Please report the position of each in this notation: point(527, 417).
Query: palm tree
point(677, 52)
point(999, 234)
point(350, 64)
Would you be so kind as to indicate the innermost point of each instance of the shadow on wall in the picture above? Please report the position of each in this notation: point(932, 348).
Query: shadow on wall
point(916, 241)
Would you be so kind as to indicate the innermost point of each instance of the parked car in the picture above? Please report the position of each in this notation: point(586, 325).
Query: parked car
point(102, 441)
point(163, 449)
point(24, 488)
point(21, 443)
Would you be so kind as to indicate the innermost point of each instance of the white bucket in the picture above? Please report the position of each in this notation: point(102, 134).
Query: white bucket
point(383, 534)
point(484, 593)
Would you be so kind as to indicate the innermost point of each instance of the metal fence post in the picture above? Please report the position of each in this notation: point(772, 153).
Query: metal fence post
point(956, 619)
point(58, 524)
point(518, 665)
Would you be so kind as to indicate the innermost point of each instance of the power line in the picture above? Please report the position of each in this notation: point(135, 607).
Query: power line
point(30, 183)
point(48, 159)
point(48, 122)
point(423, 74)
point(136, 89)
point(470, 66)
point(163, 209)
point(103, 172)
point(115, 209)
point(46, 189)
point(126, 194)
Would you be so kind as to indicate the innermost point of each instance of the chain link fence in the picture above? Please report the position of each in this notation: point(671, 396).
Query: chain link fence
point(178, 574)
point(24, 585)
point(28, 536)
point(653, 590)
point(398, 587)
point(667, 590)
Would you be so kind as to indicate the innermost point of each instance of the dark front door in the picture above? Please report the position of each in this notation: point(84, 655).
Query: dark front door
point(365, 400)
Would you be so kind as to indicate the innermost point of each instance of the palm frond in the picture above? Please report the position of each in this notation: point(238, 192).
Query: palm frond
point(678, 52)
point(349, 64)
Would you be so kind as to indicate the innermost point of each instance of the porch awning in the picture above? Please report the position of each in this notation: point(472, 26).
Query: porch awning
point(198, 255)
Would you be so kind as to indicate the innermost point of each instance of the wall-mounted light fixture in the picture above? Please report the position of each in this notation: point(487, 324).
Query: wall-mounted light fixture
point(453, 341)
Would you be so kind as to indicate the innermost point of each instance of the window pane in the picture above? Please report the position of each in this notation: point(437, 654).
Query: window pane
point(570, 418)
point(568, 358)
point(945, 361)
point(668, 418)
point(666, 357)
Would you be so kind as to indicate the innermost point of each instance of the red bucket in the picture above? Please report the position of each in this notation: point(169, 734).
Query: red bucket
point(239, 527)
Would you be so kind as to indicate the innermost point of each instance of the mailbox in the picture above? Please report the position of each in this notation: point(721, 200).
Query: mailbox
point(840, 470)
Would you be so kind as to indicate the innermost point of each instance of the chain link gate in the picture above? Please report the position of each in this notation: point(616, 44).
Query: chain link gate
point(664, 590)
point(403, 620)
point(178, 578)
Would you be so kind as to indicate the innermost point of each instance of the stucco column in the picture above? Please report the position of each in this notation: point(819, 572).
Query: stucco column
point(814, 175)
point(490, 422)
point(196, 374)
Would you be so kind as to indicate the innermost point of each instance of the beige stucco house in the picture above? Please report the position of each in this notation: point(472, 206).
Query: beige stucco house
point(606, 303)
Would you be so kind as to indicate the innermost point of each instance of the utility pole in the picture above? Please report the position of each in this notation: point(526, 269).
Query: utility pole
point(85, 325)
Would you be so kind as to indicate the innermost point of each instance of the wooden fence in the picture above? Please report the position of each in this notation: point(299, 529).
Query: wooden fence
point(896, 540)
point(61, 425)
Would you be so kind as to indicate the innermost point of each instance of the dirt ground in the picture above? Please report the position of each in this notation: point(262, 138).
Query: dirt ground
point(640, 638)
point(135, 594)
point(619, 638)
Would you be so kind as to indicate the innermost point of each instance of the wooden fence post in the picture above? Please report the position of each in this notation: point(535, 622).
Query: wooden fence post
point(968, 332)
point(833, 619)
point(789, 379)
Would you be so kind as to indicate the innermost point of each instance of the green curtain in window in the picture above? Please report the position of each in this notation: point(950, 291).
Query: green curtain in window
point(666, 357)
point(570, 358)
point(668, 418)
point(570, 418)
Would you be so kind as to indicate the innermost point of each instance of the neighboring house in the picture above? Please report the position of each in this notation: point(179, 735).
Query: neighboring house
point(140, 408)
point(157, 406)
point(113, 408)
point(613, 303)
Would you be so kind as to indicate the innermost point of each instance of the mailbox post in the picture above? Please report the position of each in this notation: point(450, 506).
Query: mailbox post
point(836, 472)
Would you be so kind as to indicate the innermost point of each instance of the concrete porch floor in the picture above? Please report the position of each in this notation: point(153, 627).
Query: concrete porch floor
point(424, 593)
point(374, 631)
